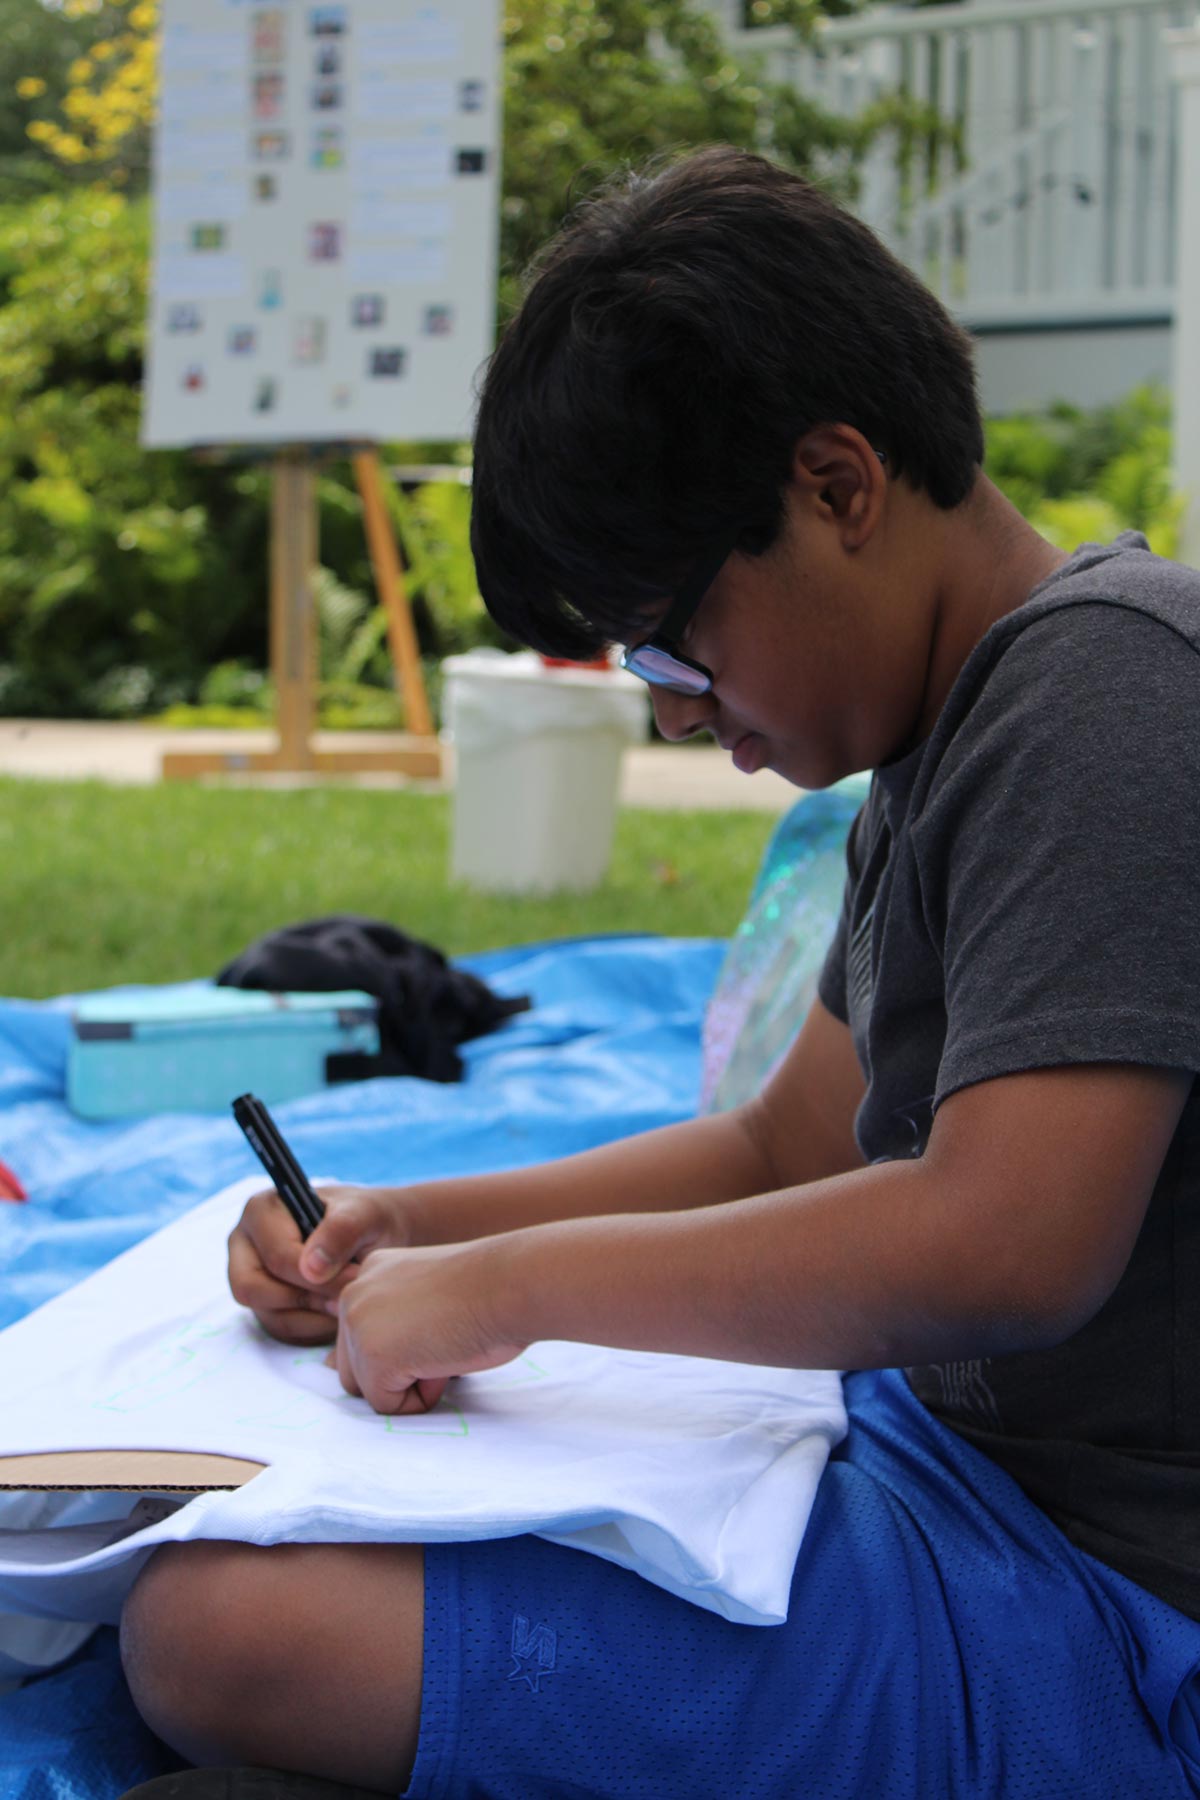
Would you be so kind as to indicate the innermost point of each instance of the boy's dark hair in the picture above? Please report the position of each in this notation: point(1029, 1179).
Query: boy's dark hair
point(679, 336)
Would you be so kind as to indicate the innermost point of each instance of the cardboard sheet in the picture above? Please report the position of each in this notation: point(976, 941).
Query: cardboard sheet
point(171, 1471)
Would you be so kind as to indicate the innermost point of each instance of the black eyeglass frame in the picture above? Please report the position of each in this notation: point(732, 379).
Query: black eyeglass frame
point(664, 641)
point(638, 658)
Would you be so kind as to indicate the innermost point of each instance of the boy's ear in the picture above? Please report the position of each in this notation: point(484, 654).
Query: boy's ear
point(841, 473)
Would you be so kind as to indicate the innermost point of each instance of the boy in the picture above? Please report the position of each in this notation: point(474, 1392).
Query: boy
point(729, 431)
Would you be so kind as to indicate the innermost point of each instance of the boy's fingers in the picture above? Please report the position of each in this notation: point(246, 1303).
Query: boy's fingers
point(254, 1286)
point(349, 1230)
point(250, 1281)
point(420, 1397)
point(339, 1360)
point(424, 1395)
point(299, 1325)
point(317, 1262)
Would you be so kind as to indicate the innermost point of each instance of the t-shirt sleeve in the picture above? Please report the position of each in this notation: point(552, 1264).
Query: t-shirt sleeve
point(1059, 852)
point(831, 982)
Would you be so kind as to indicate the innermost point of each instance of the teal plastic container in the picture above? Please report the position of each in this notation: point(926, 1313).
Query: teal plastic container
point(195, 1052)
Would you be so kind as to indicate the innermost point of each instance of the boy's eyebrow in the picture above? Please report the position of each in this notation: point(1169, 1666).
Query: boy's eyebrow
point(646, 626)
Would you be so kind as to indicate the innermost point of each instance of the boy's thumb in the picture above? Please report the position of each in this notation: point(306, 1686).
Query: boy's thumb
point(331, 1244)
point(316, 1264)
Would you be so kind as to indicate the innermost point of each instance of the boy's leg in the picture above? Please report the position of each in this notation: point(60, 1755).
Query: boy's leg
point(293, 1656)
point(943, 1638)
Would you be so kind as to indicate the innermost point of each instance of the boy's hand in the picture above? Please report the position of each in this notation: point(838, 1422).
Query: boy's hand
point(287, 1282)
point(412, 1320)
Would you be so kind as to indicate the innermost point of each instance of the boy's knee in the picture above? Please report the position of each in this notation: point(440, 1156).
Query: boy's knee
point(191, 1632)
point(298, 1656)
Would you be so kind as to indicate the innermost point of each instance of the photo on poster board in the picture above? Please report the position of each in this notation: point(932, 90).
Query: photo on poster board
point(268, 26)
point(367, 309)
point(328, 21)
point(308, 340)
point(271, 146)
point(325, 241)
point(182, 315)
point(387, 362)
point(268, 95)
point(328, 147)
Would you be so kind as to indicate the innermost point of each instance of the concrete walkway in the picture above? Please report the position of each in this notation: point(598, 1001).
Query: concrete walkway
point(661, 776)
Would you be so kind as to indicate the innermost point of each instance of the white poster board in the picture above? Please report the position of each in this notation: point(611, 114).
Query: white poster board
point(325, 181)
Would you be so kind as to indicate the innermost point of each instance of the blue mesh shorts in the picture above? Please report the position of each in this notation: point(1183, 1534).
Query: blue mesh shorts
point(944, 1640)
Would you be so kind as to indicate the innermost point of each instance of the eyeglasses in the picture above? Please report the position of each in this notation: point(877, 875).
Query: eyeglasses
point(658, 658)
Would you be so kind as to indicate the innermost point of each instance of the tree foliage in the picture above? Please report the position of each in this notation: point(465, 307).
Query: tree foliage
point(591, 86)
point(38, 48)
point(120, 574)
point(100, 121)
point(1085, 475)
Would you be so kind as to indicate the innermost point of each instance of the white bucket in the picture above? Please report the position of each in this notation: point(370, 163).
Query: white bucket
point(537, 768)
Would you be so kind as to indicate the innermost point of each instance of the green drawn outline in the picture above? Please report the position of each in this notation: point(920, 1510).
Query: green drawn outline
point(171, 1370)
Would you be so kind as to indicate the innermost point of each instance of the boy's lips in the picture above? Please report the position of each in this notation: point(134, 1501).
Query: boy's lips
point(748, 752)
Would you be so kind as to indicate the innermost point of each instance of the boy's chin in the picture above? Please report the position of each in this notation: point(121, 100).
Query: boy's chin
point(812, 773)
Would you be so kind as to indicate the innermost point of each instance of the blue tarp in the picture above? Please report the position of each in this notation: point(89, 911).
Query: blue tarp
point(611, 1047)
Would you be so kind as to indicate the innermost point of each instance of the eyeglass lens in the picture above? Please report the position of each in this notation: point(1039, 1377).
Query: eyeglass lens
point(661, 669)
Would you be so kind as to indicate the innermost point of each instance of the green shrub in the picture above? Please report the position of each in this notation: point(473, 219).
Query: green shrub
point(122, 575)
point(1083, 476)
point(235, 684)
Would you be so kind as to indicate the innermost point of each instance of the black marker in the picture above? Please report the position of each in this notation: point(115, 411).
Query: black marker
point(291, 1183)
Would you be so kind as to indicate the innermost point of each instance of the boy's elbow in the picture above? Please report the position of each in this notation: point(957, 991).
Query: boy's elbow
point(997, 1281)
point(1040, 1304)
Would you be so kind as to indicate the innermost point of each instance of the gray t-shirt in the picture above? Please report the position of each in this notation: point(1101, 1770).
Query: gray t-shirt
point(1024, 892)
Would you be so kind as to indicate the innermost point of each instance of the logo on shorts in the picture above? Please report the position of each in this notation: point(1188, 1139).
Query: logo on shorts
point(533, 1652)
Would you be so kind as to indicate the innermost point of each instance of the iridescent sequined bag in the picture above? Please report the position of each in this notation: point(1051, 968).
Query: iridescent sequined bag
point(769, 977)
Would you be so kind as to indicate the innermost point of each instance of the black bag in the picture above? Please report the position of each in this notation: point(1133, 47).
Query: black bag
point(426, 1006)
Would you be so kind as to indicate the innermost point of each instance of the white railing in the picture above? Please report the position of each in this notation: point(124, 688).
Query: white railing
point(1048, 195)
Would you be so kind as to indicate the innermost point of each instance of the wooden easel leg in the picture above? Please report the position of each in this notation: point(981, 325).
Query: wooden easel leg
point(293, 620)
point(389, 579)
point(415, 752)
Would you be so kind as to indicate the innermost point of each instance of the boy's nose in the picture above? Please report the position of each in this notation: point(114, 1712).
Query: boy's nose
point(679, 716)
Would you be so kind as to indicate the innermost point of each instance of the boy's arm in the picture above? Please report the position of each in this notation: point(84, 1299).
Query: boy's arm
point(1008, 1233)
point(800, 1130)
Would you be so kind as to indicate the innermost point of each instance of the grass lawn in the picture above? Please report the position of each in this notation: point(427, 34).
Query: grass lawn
point(108, 884)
